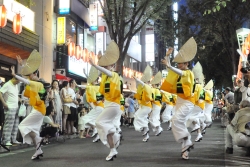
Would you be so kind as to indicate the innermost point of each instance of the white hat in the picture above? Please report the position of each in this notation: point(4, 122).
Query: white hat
point(157, 78)
point(147, 74)
point(110, 56)
point(32, 63)
point(209, 85)
point(197, 71)
point(93, 74)
point(187, 51)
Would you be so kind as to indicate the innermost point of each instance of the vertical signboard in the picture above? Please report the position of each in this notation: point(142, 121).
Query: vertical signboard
point(93, 17)
point(100, 40)
point(64, 7)
point(61, 30)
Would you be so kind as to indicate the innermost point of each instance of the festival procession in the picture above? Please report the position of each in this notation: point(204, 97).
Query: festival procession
point(115, 100)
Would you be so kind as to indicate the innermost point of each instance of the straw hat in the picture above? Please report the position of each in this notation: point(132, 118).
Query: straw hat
point(93, 74)
point(209, 85)
point(157, 78)
point(187, 51)
point(110, 56)
point(32, 63)
point(147, 74)
point(197, 71)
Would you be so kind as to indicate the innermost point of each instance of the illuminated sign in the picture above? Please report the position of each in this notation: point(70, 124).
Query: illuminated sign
point(93, 17)
point(61, 30)
point(64, 6)
point(28, 16)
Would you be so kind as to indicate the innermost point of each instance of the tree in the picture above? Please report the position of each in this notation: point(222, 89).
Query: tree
point(27, 3)
point(125, 18)
point(215, 34)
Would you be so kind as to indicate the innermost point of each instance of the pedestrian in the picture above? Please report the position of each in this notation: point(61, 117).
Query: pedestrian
point(180, 80)
point(9, 99)
point(131, 110)
point(110, 87)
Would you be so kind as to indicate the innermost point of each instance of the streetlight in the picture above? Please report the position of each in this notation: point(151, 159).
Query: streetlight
point(242, 34)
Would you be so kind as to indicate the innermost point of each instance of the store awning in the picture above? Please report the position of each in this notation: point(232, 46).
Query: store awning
point(62, 77)
point(12, 51)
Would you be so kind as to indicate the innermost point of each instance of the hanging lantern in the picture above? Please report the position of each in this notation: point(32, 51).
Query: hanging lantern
point(71, 49)
point(78, 52)
point(17, 24)
point(3, 16)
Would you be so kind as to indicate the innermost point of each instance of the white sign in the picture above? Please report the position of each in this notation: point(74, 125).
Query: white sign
point(28, 16)
point(64, 6)
point(100, 40)
point(75, 66)
point(93, 17)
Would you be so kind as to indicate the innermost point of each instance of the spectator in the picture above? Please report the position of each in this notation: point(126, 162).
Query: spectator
point(131, 110)
point(9, 99)
point(236, 130)
point(229, 100)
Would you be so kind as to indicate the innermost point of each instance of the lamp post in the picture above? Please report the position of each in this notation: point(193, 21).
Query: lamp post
point(242, 34)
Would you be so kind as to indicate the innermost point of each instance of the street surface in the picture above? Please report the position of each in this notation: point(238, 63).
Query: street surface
point(161, 151)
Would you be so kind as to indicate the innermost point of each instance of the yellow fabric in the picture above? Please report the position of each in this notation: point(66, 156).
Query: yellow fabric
point(122, 106)
point(208, 96)
point(31, 91)
point(197, 92)
point(166, 98)
point(187, 80)
point(114, 94)
point(155, 93)
point(144, 95)
point(91, 92)
point(201, 104)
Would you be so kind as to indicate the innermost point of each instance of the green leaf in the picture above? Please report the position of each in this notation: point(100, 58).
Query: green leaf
point(214, 9)
point(205, 12)
point(218, 8)
point(244, 0)
point(208, 11)
point(224, 4)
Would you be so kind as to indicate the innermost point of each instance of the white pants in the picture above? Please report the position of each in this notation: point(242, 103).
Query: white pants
point(117, 120)
point(90, 118)
point(154, 118)
point(182, 110)
point(32, 123)
point(194, 117)
point(167, 113)
point(141, 118)
point(208, 112)
point(238, 138)
point(104, 122)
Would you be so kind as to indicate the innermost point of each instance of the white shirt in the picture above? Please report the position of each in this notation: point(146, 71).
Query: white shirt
point(10, 94)
point(72, 93)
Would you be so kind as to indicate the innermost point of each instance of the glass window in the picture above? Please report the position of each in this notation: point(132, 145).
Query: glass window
point(70, 30)
point(80, 36)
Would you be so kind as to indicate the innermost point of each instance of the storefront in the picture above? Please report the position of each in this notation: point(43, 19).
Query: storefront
point(15, 40)
point(74, 40)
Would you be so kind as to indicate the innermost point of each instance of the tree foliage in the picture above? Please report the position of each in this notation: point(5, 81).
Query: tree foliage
point(215, 35)
point(125, 18)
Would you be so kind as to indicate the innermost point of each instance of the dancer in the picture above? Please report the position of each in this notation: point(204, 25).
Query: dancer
point(144, 96)
point(154, 118)
point(110, 87)
point(181, 81)
point(94, 98)
point(208, 103)
point(30, 126)
point(168, 113)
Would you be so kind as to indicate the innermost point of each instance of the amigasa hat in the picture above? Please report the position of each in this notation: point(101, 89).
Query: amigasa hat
point(197, 71)
point(32, 64)
point(187, 51)
point(157, 78)
point(110, 56)
point(147, 74)
point(209, 85)
point(93, 74)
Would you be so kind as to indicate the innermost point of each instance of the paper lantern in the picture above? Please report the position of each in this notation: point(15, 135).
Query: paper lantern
point(71, 49)
point(3, 16)
point(78, 52)
point(17, 24)
point(83, 55)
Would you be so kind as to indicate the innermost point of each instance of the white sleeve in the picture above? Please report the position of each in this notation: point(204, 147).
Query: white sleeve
point(176, 70)
point(139, 81)
point(243, 89)
point(25, 81)
point(104, 70)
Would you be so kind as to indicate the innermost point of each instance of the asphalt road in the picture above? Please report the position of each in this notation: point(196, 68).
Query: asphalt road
point(159, 151)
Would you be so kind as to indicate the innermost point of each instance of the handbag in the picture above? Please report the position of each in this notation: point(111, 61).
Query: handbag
point(22, 111)
point(67, 100)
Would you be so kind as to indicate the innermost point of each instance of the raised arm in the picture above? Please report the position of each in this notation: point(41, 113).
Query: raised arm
point(104, 70)
point(139, 81)
point(84, 72)
point(25, 81)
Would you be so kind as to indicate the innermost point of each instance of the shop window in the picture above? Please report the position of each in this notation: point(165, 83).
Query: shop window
point(70, 30)
point(80, 36)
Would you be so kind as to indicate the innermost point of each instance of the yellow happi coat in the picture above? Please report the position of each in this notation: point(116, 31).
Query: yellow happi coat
point(144, 95)
point(93, 95)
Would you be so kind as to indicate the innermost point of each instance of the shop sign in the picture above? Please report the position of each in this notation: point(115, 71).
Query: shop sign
point(61, 30)
point(100, 38)
point(28, 16)
point(64, 7)
point(93, 17)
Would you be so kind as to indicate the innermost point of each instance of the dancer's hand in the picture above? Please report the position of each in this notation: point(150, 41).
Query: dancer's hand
point(170, 50)
point(91, 61)
point(12, 68)
point(19, 60)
